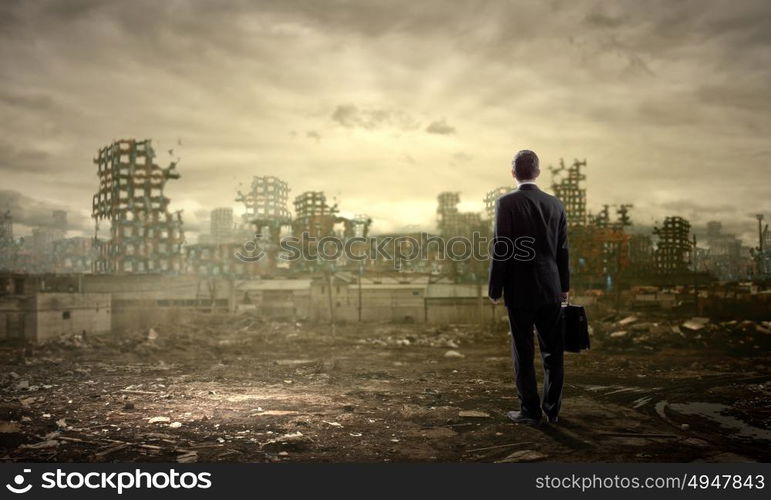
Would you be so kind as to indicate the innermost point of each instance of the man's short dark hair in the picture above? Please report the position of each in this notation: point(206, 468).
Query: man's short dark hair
point(525, 164)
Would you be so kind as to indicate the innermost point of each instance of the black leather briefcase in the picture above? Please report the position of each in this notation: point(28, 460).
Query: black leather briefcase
point(575, 328)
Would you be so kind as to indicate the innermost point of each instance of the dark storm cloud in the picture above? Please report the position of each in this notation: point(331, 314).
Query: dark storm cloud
point(694, 207)
point(31, 212)
point(26, 100)
point(598, 19)
point(440, 127)
point(15, 158)
point(459, 158)
point(351, 116)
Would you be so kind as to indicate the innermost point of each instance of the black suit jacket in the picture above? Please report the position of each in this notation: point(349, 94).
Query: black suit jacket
point(529, 265)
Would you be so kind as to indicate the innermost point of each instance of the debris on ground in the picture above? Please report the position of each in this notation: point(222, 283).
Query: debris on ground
point(214, 388)
point(522, 456)
point(473, 414)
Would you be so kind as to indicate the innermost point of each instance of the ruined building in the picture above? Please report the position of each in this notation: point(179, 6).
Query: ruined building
point(491, 197)
point(221, 225)
point(8, 246)
point(266, 204)
point(73, 255)
point(451, 221)
point(725, 258)
point(566, 185)
point(266, 214)
point(451, 224)
point(673, 249)
point(761, 254)
point(144, 236)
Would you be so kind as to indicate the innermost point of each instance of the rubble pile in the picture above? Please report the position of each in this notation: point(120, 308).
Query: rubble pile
point(451, 337)
point(632, 331)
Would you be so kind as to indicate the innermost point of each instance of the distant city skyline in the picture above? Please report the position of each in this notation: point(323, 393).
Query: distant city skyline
point(384, 106)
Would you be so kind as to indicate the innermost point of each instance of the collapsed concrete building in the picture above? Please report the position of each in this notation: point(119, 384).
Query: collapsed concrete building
point(761, 254)
point(266, 216)
point(314, 219)
point(567, 186)
point(145, 237)
point(724, 256)
point(673, 249)
point(491, 197)
point(450, 221)
point(8, 245)
point(222, 225)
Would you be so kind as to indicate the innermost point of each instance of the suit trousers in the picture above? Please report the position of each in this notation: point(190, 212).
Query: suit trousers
point(546, 319)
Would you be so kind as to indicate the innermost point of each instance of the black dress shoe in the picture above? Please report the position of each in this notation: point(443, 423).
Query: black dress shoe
point(553, 420)
point(520, 418)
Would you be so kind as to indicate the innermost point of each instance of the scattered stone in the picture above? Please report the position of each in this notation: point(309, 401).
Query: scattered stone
point(293, 362)
point(696, 323)
point(175, 425)
point(618, 334)
point(473, 414)
point(453, 354)
point(152, 335)
point(522, 456)
point(128, 405)
point(763, 329)
point(188, 457)
point(626, 321)
point(158, 420)
point(49, 443)
point(276, 413)
point(27, 401)
point(289, 437)
point(9, 427)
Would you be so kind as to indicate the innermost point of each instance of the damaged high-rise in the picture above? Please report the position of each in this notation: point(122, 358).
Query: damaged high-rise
point(491, 197)
point(672, 255)
point(451, 221)
point(567, 186)
point(8, 246)
point(313, 215)
point(266, 213)
point(145, 237)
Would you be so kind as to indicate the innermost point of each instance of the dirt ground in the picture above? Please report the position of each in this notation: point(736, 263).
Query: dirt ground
point(218, 388)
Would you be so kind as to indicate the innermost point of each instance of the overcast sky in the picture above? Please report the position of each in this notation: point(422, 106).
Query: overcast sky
point(385, 104)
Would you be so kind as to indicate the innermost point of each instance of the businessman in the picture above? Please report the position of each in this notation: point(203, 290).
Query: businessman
point(529, 269)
